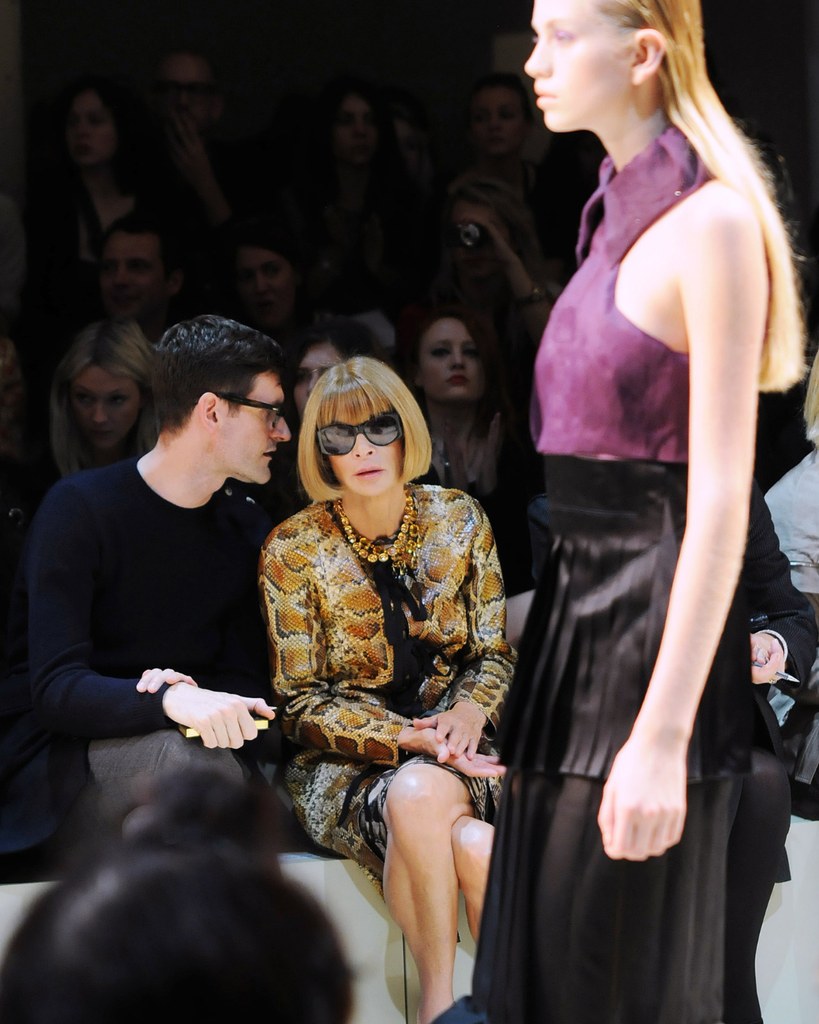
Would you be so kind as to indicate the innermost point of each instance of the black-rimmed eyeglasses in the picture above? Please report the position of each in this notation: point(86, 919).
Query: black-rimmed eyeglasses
point(274, 411)
point(339, 438)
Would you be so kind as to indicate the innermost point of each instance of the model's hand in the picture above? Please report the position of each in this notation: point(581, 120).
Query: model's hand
point(460, 728)
point(767, 657)
point(642, 812)
point(153, 679)
point(221, 719)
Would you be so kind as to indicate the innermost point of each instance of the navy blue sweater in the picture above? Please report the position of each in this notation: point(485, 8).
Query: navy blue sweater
point(113, 580)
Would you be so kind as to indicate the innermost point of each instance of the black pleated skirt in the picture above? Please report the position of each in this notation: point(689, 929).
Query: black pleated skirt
point(569, 935)
point(596, 622)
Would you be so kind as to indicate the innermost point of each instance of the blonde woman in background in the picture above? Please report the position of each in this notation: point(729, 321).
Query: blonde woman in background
point(101, 407)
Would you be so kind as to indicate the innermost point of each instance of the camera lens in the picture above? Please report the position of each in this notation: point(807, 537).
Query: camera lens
point(471, 235)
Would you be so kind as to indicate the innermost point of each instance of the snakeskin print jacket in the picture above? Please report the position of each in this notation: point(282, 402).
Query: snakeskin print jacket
point(331, 663)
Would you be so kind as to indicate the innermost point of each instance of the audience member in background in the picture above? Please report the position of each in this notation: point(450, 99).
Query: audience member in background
point(386, 615)
point(794, 505)
point(500, 124)
point(324, 345)
point(491, 263)
point(101, 405)
point(478, 443)
point(314, 350)
point(783, 640)
point(264, 278)
point(414, 135)
point(99, 171)
point(140, 272)
point(187, 920)
point(410, 122)
point(135, 576)
point(353, 205)
point(190, 104)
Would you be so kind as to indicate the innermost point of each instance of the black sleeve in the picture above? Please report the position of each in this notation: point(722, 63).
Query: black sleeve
point(766, 578)
point(60, 565)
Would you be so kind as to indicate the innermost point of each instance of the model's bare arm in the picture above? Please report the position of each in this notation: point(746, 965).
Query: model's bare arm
point(723, 291)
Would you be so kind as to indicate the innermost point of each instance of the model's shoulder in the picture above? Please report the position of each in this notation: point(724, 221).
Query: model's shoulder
point(717, 210)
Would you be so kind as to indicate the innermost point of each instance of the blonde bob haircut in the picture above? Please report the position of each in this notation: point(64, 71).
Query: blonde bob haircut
point(691, 103)
point(352, 392)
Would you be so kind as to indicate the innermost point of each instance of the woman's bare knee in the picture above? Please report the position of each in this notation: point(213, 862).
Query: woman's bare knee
point(425, 794)
point(472, 844)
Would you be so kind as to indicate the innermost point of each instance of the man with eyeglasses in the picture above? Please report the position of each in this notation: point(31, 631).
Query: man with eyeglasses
point(134, 617)
point(190, 104)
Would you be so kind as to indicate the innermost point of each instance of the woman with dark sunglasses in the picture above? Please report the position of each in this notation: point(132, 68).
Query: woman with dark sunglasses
point(385, 608)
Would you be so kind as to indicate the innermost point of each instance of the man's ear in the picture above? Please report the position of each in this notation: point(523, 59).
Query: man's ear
point(208, 410)
point(649, 51)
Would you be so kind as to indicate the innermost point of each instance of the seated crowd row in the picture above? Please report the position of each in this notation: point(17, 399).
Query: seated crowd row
point(406, 313)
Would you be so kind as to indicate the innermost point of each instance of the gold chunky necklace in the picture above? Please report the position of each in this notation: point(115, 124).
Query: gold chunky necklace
point(402, 550)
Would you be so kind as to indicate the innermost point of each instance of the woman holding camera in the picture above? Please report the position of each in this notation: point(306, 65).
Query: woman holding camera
point(491, 263)
point(385, 608)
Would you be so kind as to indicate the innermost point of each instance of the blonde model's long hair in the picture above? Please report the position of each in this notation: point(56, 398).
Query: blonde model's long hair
point(691, 103)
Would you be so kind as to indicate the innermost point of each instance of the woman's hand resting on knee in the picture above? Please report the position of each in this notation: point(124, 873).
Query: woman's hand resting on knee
point(452, 737)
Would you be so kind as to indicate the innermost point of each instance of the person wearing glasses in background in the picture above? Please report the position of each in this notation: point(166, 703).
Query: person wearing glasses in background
point(385, 611)
point(135, 577)
point(190, 104)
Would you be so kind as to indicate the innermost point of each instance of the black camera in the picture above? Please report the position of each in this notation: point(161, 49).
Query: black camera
point(465, 236)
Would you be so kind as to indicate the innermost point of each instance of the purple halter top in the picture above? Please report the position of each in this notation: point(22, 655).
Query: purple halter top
point(603, 387)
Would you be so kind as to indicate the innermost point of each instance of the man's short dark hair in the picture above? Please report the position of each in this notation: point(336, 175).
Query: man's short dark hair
point(208, 353)
point(170, 247)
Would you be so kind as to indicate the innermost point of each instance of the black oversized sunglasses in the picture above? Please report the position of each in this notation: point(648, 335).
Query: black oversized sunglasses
point(339, 438)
